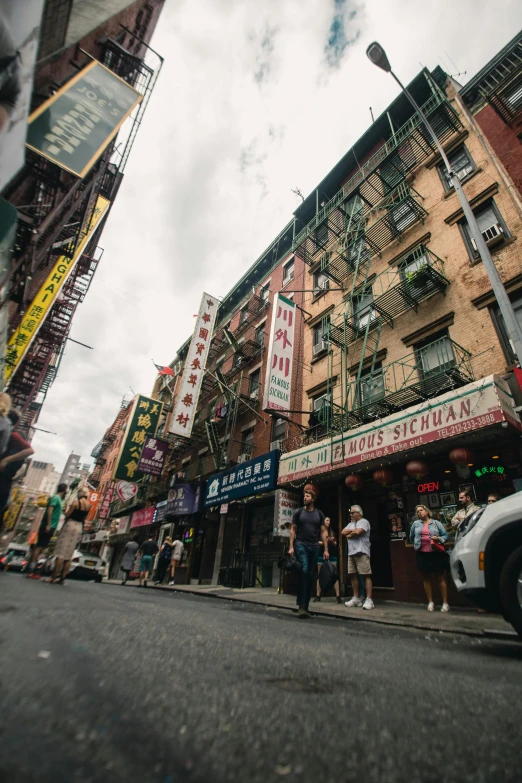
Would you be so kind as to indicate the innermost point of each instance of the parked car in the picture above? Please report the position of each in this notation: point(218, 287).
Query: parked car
point(84, 565)
point(486, 563)
point(20, 559)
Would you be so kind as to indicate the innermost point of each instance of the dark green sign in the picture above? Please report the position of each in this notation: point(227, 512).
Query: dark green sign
point(143, 422)
point(76, 124)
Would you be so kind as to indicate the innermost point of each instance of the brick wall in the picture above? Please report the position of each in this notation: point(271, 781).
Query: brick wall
point(504, 140)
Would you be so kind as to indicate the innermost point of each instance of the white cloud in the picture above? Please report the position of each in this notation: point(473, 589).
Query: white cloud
point(251, 102)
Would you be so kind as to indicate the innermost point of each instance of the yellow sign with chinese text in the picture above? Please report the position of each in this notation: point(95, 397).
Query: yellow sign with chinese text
point(39, 308)
point(11, 515)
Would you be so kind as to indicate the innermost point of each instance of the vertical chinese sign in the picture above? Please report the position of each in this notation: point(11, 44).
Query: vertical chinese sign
point(195, 363)
point(143, 421)
point(278, 380)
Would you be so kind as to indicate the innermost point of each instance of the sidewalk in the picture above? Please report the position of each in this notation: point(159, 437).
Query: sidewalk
point(462, 621)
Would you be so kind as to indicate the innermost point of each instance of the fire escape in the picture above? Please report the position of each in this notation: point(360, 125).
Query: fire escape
point(55, 208)
point(374, 208)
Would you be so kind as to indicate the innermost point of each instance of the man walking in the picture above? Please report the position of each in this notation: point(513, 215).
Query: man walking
point(177, 553)
point(47, 527)
point(307, 526)
point(148, 549)
point(357, 533)
point(467, 506)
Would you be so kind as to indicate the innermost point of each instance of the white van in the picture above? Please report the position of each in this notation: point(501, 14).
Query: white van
point(486, 563)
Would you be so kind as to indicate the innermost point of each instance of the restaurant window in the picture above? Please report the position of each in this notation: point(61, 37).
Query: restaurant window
point(491, 225)
point(461, 163)
point(498, 321)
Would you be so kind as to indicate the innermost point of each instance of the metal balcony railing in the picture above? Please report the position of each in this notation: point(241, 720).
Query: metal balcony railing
point(396, 290)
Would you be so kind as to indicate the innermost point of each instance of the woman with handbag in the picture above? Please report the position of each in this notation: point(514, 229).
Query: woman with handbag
point(333, 550)
point(428, 537)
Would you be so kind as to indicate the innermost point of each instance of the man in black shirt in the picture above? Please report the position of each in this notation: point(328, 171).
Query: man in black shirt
point(148, 550)
point(307, 525)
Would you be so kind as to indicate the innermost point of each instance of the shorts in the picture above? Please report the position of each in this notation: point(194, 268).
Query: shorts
point(359, 564)
point(320, 560)
point(43, 537)
point(146, 563)
point(176, 560)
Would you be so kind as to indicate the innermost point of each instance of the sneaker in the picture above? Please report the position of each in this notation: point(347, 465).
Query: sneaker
point(172, 582)
point(368, 604)
point(445, 608)
point(316, 599)
point(354, 602)
point(431, 606)
point(301, 612)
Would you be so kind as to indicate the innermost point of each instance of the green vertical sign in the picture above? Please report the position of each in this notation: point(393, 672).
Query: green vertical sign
point(143, 421)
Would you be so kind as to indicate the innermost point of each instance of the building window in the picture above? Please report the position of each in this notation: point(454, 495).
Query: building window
point(255, 381)
point(288, 271)
point(402, 215)
point(321, 415)
point(321, 236)
point(435, 355)
point(247, 443)
point(500, 326)
point(357, 252)
point(320, 344)
point(264, 292)
point(259, 336)
point(491, 225)
point(243, 315)
point(462, 164)
point(371, 386)
point(364, 312)
point(321, 283)
point(278, 429)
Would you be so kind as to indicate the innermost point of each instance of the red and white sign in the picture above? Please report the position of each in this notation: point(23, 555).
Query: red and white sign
point(123, 525)
point(143, 517)
point(194, 369)
point(94, 499)
point(475, 406)
point(126, 490)
point(286, 504)
point(105, 506)
point(278, 379)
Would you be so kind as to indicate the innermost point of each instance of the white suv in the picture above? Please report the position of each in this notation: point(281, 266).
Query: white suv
point(486, 563)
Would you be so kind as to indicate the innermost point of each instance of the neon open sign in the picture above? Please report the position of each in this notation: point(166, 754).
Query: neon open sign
point(430, 486)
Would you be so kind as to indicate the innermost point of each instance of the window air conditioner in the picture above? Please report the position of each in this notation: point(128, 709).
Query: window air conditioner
point(319, 347)
point(243, 458)
point(277, 444)
point(492, 236)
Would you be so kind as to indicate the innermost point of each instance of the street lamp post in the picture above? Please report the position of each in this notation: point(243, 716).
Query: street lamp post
point(378, 57)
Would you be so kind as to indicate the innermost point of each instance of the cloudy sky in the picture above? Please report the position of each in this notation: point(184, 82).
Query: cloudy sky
point(255, 99)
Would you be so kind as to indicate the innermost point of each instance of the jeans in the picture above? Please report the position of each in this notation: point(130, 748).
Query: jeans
point(307, 555)
point(162, 569)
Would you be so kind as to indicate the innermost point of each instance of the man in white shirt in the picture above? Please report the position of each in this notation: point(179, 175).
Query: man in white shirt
point(357, 533)
point(177, 552)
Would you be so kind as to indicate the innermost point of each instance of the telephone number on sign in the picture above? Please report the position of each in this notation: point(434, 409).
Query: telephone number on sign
point(467, 426)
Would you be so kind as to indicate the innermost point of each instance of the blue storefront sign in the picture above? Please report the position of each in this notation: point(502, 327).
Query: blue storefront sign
point(248, 478)
point(184, 499)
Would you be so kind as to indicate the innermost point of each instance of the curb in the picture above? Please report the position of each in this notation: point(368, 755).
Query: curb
point(484, 633)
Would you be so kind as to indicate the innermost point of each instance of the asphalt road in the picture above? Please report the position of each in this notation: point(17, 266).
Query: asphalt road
point(104, 683)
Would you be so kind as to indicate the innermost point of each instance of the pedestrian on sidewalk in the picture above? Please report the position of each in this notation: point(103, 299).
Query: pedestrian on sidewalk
point(307, 526)
point(11, 461)
point(129, 558)
point(48, 525)
point(5, 424)
point(467, 506)
point(148, 549)
point(165, 556)
point(357, 533)
point(333, 550)
point(70, 536)
point(177, 554)
point(431, 563)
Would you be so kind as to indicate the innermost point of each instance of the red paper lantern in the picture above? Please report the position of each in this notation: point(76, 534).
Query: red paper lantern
point(383, 476)
point(417, 469)
point(461, 456)
point(354, 482)
point(312, 488)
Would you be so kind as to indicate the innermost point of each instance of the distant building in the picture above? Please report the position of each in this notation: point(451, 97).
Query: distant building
point(50, 483)
point(74, 469)
point(38, 474)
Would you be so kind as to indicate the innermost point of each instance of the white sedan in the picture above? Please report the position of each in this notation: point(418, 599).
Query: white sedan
point(84, 565)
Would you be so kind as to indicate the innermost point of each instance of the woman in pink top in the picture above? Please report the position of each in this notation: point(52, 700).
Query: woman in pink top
point(430, 562)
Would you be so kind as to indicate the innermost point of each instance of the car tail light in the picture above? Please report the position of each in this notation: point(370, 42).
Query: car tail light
point(3, 560)
point(24, 562)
